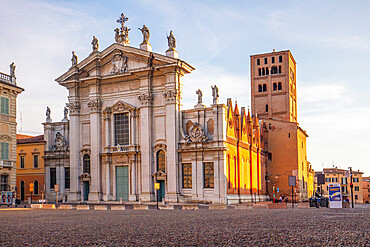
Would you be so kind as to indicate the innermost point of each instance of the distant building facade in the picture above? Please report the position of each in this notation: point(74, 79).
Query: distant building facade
point(127, 131)
point(30, 166)
point(366, 189)
point(274, 99)
point(8, 95)
point(335, 175)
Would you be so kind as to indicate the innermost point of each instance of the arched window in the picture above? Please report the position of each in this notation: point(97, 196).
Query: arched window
point(267, 71)
point(259, 88)
point(86, 163)
point(264, 88)
point(259, 72)
point(280, 87)
point(274, 70)
point(275, 86)
point(279, 69)
point(161, 161)
point(263, 71)
point(36, 187)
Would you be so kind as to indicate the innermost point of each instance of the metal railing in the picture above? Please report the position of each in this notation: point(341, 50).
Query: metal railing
point(6, 163)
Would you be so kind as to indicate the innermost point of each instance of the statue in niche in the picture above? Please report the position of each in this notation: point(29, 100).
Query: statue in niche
point(12, 69)
point(95, 44)
point(47, 113)
point(171, 41)
point(146, 34)
point(65, 113)
point(200, 95)
point(215, 94)
point(74, 59)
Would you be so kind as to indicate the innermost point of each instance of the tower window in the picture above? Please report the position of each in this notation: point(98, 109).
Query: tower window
point(259, 88)
point(275, 86)
point(279, 69)
point(259, 72)
point(267, 71)
point(280, 59)
point(280, 86)
point(267, 108)
point(263, 71)
point(264, 88)
point(258, 61)
point(273, 60)
point(265, 60)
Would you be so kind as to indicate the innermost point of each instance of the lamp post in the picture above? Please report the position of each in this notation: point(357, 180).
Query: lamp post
point(351, 185)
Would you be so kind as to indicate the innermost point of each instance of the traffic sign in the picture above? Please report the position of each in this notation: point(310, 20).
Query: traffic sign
point(347, 174)
point(31, 189)
point(56, 188)
point(31, 185)
point(277, 190)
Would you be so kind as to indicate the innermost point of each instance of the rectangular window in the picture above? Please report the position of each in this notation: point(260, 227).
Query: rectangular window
point(335, 180)
point(280, 59)
point(265, 60)
point(258, 61)
point(344, 189)
point(53, 177)
point(186, 176)
point(4, 106)
point(344, 180)
point(67, 178)
point(35, 161)
point(267, 108)
point(357, 188)
point(4, 151)
point(22, 162)
point(121, 129)
point(356, 197)
point(273, 60)
point(355, 180)
point(4, 183)
point(208, 170)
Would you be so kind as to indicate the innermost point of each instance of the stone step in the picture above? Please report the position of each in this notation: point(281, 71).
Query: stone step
point(117, 208)
point(166, 207)
point(141, 207)
point(100, 207)
point(65, 207)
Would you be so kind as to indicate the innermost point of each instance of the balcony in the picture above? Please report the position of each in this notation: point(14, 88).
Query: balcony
point(6, 164)
point(7, 79)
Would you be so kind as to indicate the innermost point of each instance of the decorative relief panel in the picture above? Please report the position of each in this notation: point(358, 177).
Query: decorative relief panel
point(119, 63)
point(95, 105)
point(195, 132)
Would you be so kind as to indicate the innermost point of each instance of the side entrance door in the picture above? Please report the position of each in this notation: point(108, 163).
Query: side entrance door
point(22, 190)
point(86, 190)
point(122, 183)
point(161, 191)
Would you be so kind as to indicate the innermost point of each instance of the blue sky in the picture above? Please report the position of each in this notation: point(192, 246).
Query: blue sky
point(330, 41)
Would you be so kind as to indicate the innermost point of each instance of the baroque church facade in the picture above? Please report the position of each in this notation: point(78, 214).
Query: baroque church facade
point(126, 132)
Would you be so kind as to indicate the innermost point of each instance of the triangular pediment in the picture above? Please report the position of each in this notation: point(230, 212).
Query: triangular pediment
point(116, 60)
point(120, 106)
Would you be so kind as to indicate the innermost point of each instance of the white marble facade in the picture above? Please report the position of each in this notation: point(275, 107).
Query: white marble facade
point(126, 123)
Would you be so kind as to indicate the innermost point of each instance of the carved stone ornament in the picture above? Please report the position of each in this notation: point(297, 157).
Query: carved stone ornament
point(171, 95)
point(60, 143)
point(145, 99)
point(119, 63)
point(196, 133)
point(5, 137)
point(94, 105)
point(74, 107)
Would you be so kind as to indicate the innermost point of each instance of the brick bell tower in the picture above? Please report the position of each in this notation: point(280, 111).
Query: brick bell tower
point(273, 81)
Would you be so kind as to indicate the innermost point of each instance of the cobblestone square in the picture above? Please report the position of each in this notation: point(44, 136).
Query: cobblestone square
point(257, 227)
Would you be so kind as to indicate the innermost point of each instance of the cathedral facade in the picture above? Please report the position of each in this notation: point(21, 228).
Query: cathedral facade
point(128, 135)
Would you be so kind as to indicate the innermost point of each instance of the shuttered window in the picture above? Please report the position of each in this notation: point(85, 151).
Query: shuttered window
point(4, 151)
point(4, 106)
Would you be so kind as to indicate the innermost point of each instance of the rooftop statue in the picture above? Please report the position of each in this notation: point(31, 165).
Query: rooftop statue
point(47, 113)
point(146, 34)
point(12, 69)
point(65, 113)
point(74, 59)
point(215, 94)
point(95, 44)
point(200, 95)
point(171, 41)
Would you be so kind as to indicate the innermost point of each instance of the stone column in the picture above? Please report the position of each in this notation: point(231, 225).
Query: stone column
point(133, 181)
point(47, 179)
point(107, 181)
point(146, 146)
point(95, 146)
point(74, 147)
point(172, 132)
point(62, 179)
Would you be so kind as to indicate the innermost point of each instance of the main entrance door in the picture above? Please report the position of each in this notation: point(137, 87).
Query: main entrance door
point(122, 183)
point(86, 190)
point(161, 191)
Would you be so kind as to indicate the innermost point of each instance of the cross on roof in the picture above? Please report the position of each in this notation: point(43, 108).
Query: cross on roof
point(122, 20)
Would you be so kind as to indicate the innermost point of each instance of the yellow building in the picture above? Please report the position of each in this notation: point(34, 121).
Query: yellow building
point(245, 158)
point(8, 125)
point(335, 175)
point(30, 166)
point(274, 99)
